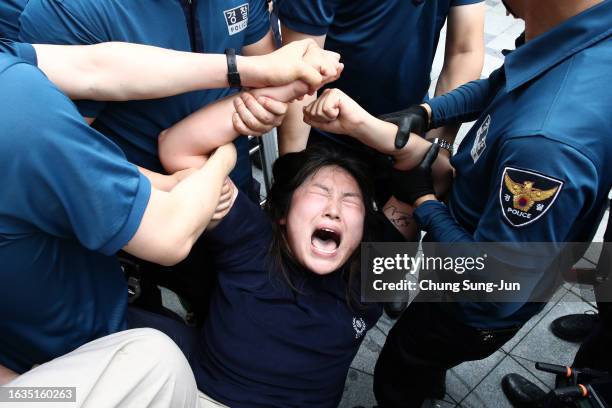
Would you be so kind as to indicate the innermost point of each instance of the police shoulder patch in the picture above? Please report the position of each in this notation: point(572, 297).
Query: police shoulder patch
point(526, 195)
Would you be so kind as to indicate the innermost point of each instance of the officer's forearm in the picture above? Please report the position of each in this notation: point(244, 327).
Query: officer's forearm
point(118, 71)
point(380, 135)
point(466, 103)
point(458, 69)
point(173, 220)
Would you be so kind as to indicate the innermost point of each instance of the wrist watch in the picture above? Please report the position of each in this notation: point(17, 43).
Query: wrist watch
point(444, 145)
point(233, 77)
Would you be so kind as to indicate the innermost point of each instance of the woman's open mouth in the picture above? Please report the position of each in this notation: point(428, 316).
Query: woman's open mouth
point(326, 240)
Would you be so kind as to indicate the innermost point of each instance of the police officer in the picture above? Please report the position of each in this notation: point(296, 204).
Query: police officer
point(546, 127)
point(532, 169)
point(185, 25)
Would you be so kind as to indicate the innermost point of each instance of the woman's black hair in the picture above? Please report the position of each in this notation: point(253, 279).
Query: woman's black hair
point(289, 172)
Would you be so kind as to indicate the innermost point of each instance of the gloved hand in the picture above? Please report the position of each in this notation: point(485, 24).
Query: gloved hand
point(410, 185)
point(415, 119)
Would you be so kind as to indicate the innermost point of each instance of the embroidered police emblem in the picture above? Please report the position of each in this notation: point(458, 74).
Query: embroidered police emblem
point(480, 141)
point(526, 195)
point(359, 325)
point(237, 18)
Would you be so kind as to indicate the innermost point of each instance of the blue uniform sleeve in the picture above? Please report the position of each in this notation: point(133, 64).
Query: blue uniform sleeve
point(20, 50)
point(533, 197)
point(60, 176)
point(259, 21)
point(242, 239)
point(9, 18)
point(55, 22)
point(312, 17)
point(466, 103)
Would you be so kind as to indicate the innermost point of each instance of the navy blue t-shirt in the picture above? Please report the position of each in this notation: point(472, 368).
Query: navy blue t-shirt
point(70, 201)
point(9, 18)
point(200, 26)
point(387, 46)
point(263, 344)
point(546, 129)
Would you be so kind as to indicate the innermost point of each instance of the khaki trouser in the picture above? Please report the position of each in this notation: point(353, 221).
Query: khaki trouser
point(133, 368)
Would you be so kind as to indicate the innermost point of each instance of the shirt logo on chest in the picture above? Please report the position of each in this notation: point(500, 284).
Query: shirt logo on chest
point(360, 326)
point(237, 18)
point(480, 142)
point(526, 195)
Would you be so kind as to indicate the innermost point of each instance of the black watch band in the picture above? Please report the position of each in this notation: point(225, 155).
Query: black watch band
point(233, 77)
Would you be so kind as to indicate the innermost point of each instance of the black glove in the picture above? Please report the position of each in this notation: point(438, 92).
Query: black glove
point(409, 185)
point(415, 119)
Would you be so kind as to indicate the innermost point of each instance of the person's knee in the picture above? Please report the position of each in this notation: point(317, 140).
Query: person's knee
point(158, 351)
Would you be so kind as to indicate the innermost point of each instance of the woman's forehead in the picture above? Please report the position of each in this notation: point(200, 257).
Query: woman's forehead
point(335, 178)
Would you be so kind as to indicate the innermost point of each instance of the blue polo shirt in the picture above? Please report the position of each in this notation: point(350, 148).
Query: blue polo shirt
point(70, 201)
point(9, 18)
point(265, 345)
point(387, 46)
point(547, 129)
point(19, 50)
point(200, 26)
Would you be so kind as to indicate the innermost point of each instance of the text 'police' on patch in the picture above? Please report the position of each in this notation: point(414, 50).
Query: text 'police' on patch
point(526, 195)
point(237, 18)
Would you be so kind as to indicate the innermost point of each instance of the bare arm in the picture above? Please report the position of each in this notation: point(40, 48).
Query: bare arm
point(293, 132)
point(187, 143)
point(463, 55)
point(336, 112)
point(174, 220)
point(121, 71)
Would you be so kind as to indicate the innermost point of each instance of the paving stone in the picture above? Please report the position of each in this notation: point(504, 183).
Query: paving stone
point(526, 329)
point(357, 390)
point(544, 377)
point(171, 301)
point(372, 344)
point(462, 379)
point(385, 323)
point(488, 394)
point(542, 345)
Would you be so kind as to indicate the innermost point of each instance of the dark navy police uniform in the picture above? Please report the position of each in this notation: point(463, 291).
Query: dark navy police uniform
point(547, 129)
point(70, 201)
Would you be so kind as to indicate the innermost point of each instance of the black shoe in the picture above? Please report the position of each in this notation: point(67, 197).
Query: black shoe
point(521, 392)
point(574, 327)
point(395, 309)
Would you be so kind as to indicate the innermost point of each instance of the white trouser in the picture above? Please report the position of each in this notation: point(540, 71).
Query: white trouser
point(133, 368)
